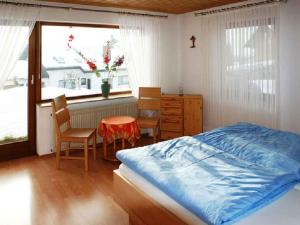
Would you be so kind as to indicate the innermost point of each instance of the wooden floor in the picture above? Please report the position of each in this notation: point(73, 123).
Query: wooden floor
point(33, 192)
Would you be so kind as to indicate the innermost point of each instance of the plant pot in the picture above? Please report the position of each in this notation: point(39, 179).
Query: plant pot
point(105, 87)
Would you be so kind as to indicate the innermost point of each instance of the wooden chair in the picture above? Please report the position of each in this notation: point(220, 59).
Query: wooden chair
point(65, 133)
point(149, 100)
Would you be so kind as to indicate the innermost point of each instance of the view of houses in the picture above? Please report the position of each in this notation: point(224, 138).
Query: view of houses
point(65, 71)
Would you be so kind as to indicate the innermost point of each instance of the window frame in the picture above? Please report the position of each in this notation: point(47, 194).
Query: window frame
point(38, 43)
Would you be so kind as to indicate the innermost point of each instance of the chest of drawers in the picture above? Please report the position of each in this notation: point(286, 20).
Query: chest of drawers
point(180, 115)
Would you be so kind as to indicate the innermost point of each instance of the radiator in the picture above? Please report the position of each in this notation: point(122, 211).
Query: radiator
point(90, 118)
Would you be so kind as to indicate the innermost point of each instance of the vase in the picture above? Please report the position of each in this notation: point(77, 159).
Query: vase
point(105, 87)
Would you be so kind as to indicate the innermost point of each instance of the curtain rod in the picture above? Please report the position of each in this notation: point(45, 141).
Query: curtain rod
point(81, 9)
point(248, 5)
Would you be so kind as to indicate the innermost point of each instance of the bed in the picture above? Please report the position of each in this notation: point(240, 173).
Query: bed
point(230, 175)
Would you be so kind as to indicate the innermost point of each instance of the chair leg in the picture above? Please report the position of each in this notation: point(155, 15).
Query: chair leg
point(94, 145)
point(158, 134)
point(58, 148)
point(115, 146)
point(105, 147)
point(123, 143)
point(67, 152)
point(86, 155)
point(154, 135)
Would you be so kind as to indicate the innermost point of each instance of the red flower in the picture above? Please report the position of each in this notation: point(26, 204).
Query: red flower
point(71, 37)
point(92, 65)
point(106, 59)
point(119, 61)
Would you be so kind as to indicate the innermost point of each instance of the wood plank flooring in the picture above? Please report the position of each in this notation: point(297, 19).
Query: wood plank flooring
point(33, 192)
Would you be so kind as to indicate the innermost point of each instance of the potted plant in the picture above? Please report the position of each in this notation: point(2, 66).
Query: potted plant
point(110, 67)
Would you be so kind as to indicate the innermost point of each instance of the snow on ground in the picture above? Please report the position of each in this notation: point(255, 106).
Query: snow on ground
point(13, 112)
point(51, 92)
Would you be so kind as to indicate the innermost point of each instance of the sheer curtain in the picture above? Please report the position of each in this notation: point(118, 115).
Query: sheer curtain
point(239, 66)
point(142, 43)
point(16, 24)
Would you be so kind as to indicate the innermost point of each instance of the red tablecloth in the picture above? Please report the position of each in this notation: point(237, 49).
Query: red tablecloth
point(117, 127)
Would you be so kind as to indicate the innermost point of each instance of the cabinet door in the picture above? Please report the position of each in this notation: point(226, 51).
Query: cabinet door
point(193, 116)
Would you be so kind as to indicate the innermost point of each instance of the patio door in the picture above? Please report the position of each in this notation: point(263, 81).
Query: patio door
point(17, 107)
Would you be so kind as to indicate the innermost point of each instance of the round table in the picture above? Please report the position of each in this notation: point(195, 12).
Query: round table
point(118, 127)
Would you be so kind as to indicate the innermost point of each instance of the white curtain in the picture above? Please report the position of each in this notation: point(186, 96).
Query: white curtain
point(239, 66)
point(16, 24)
point(142, 44)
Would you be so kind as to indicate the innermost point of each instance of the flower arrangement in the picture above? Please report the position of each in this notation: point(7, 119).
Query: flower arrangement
point(110, 68)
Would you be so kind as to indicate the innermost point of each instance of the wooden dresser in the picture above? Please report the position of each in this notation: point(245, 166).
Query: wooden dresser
point(181, 115)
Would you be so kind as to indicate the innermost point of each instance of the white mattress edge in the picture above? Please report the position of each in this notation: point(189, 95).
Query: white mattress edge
point(159, 196)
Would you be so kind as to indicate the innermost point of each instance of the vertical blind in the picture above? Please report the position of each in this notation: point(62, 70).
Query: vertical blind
point(239, 66)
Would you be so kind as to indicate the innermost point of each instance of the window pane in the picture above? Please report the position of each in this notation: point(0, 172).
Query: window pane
point(14, 99)
point(64, 69)
point(250, 54)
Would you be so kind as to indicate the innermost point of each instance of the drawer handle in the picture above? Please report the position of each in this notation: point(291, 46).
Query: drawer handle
point(174, 99)
point(172, 109)
point(171, 121)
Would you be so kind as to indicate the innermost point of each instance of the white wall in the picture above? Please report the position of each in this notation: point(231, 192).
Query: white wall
point(190, 65)
point(290, 66)
point(289, 47)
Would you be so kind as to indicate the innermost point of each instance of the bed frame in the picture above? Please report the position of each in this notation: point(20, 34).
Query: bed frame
point(142, 209)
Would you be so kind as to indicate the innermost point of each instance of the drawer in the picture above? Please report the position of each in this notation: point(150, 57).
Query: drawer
point(170, 135)
point(175, 104)
point(172, 127)
point(171, 98)
point(172, 119)
point(171, 111)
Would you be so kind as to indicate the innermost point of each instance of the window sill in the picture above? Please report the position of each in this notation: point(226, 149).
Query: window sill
point(90, 99)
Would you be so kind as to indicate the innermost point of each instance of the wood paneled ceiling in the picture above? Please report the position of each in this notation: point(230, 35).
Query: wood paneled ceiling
point(166, 6)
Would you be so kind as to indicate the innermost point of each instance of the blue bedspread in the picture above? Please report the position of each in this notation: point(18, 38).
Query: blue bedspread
point(263, 146)
point(218, 187)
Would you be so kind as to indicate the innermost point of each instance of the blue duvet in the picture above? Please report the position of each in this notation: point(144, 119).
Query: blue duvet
point(260, 145)
point(218, 186)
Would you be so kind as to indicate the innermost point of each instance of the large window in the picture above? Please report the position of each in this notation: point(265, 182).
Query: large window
point(64, 67)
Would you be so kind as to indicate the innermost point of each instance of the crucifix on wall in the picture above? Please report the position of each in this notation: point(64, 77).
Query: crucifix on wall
point(193, 39)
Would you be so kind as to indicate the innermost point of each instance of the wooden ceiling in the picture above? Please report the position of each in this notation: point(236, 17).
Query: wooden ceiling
point(165, 6)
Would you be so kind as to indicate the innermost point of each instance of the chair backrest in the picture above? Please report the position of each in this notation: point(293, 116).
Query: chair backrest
point(60, 102)
point(149, 99)
point(60, 114)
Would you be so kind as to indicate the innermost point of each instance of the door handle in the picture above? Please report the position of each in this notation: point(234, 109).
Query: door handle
point(32, 79)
